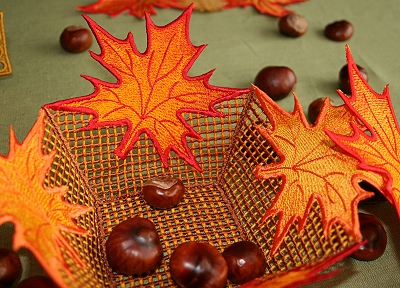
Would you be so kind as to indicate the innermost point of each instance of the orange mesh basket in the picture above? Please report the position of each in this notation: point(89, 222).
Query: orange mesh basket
point(222, 205)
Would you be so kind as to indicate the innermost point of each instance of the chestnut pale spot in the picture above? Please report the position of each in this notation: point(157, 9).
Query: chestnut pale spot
point(292, 25)
point(245, 261)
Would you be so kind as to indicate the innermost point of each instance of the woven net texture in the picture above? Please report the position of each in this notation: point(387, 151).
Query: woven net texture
point(222, 205)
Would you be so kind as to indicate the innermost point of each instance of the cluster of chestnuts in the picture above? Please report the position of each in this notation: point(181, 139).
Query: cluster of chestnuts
point(295, 25)
point(279, 81)
point(197, 264)
point(134, 247)
point(11, 269)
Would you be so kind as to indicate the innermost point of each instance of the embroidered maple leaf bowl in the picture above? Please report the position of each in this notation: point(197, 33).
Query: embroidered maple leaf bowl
point(251, 170)
point(223, 203)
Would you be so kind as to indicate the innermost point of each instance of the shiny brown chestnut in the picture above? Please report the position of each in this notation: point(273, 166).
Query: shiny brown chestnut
point(373, 231)
point(197, 264)
point(37, 281)
point(163, 192)
point(10, 267)
point(245, 261)
point(339, 30)
point(76, 39)
point(276, 81)
point(292, 25)
point(344, 80)
point(134, 247)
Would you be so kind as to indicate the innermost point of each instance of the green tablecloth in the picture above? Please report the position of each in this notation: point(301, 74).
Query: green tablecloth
point(240, 42)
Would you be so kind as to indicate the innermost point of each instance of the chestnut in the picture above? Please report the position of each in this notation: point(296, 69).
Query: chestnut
point(197, 264)
point(10, 267)
point(245, 261)
point(76, 39)
point(339, 30)
point(373, 231)
point(163, 192)
point(315, 108)
point(134, 247)
point(37, 281)
point(344, 80)
point(292, 25)
point(276, 81)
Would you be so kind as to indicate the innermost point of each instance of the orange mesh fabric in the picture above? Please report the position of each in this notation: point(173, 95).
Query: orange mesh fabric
point(223, 205)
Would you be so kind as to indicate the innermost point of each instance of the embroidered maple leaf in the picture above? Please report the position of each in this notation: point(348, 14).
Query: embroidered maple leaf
point(378, 148)
point(302, 275)
point(271, 7)
point(39, 213)
point(153, 89)
point(312, 167)
point(134, 7)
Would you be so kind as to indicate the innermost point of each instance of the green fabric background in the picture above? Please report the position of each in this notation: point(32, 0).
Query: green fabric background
point(240, 42)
